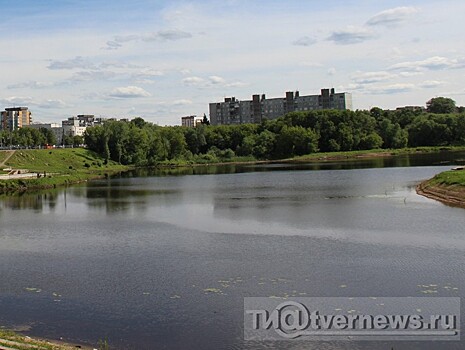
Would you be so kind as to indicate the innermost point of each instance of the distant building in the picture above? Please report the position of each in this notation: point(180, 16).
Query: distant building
point(76, 126)
point(188, 122)
point(233, 111)
point(15, 118)
point(55, 127)
point(191, 121)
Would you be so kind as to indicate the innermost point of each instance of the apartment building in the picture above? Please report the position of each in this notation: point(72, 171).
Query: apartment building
point(188, 122)
point(15, 118)
point(76, 126)
point(234, 111)
point(55, 127)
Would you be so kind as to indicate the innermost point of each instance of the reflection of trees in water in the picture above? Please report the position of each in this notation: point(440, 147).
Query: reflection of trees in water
point(31, 200)
point(115, 198)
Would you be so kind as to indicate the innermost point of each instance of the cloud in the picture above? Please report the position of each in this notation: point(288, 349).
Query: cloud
point(182, 102)
point(351, 35)
point(212, 80)
point(432, 63)
point(52, 104)
point(193, 81)
point(17, 101)
point(390, 89)
point(169, 35)
point(161, 35)
point(304, 41)
point(74, 63)
point(93, 76)
point(371, 77)
point(332, 71)
point(30, 102)
point(32, 84)
point(430, 84)
point(392, 16)
point(216, 80)
point(129, 92)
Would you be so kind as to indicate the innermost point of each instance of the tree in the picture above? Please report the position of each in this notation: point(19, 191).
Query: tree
point(205, 120)
point(440, 105)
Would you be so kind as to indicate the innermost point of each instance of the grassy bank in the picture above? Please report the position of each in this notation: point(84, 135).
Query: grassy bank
point(59, 167)
point(11, 340)
point(56, 167)
point(447, 187)
point(374, 153)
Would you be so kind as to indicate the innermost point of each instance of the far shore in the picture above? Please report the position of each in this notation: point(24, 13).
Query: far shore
point(72, 166)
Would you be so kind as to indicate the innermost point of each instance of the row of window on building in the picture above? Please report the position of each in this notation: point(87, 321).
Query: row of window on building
point(234, 111)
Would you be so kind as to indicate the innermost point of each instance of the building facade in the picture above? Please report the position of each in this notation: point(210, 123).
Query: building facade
point(76, 126)
point(15, 118)
point(233, 111)
point(188, 122)
point(55, 127)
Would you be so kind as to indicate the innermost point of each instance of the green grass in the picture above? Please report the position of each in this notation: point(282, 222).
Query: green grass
point(452, 177)
point(61, 167)
point(20, 342)
point(379, 151)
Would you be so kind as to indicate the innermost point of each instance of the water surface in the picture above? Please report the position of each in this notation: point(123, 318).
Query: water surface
point(164, 262)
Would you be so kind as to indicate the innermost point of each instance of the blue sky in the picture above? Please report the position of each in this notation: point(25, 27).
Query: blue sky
point(162, 60)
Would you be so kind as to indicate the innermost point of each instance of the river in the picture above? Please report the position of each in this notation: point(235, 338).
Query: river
point(163, 260)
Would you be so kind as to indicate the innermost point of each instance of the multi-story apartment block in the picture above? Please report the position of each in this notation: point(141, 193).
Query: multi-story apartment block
point(55, 127)
point(188, 122)
point(15, 118)
point(233, 111)
point(76, 126)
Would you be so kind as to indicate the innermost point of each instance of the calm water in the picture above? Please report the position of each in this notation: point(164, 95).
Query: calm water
point(128, 259)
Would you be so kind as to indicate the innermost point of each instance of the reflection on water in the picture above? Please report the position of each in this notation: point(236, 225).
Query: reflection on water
point(152, 261)
point(40, 201)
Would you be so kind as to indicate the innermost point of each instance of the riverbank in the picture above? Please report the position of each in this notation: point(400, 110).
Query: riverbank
point(447, 187)
point(14, 341)
point(42, 169)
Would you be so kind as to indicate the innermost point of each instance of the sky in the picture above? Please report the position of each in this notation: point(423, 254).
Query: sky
point(162, 60)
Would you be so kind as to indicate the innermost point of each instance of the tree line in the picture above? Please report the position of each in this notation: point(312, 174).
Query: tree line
point(27, 137)
point(298, 133)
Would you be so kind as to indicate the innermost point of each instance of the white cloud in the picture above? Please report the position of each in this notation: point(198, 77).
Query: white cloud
point(390, 89)
point(32, 84)
point(351, 35)
point(52, 104)
point(182, 102)
point(432, 63)
point(74, 63)
point(193, 81)
point(17, 101)
point(392, 16)
point(216, 80)
point(161, 35)
point(431, 84)
point(332, 71)
point(371, 77)
point(129, 92)
point(93, 76)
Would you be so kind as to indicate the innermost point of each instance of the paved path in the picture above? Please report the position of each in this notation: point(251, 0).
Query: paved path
point(7, 157)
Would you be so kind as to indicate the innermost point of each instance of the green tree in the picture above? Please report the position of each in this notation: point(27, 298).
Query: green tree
point(440, 105)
